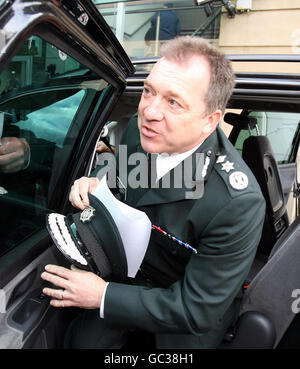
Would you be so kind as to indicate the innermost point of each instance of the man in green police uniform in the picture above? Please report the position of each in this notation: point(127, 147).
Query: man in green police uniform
point(188, 300)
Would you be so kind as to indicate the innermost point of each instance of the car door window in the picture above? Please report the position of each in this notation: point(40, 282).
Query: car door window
point(43, 93)
point(279, 127)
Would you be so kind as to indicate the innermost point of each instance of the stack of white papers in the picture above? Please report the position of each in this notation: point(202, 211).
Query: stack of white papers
point(134, 226)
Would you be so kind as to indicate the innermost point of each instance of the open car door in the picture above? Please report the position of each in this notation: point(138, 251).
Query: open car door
point(61, 72)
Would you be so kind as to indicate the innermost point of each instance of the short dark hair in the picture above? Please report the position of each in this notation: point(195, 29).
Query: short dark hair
point(222, 76)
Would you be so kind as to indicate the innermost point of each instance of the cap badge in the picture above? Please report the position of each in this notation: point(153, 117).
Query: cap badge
point(87, 214)
point(238, 180)
point(83, 18)
point(227, 166)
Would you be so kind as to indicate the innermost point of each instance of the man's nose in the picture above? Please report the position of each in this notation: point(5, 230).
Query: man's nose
point(154, 110)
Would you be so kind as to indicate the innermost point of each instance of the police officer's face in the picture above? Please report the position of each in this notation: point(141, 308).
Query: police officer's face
point(172, 116)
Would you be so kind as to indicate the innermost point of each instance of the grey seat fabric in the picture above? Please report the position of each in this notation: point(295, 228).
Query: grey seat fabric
point(258, 155)
point(270, 292)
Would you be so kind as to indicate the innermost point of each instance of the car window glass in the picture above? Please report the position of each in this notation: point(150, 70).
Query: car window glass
point(279, 127)
point(43, 94)
point(41, 121)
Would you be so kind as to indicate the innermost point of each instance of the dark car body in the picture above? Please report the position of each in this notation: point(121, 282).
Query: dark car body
point(68, 76)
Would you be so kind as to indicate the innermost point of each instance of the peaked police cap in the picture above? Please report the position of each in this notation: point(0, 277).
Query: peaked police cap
point(90, 240)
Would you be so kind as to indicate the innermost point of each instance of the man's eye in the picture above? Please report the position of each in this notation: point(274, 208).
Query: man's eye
point(146, 91)
point(173, 102)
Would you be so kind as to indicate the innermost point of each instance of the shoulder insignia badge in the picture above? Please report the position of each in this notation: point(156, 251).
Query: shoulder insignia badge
point(227, 166)
point(238, 180)
point(221, 159)
point(87, 214)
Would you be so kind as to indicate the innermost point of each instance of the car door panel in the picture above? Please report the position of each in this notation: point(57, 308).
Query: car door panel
point(22, 304)
point(58, 82)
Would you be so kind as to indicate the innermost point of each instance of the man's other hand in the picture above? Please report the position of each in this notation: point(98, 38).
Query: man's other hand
point(80, 190)
point(14, 154)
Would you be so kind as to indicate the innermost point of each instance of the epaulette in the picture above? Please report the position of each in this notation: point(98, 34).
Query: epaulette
point(233, 173)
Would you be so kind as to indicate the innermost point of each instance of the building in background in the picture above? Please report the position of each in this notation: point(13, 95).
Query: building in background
point(258, 27)
point(269, 27)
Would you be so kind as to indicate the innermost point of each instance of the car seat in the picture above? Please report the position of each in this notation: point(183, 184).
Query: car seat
point(270, 303)
point(259, 156)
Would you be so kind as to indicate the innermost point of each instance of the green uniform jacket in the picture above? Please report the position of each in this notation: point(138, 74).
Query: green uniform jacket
point(191, 299)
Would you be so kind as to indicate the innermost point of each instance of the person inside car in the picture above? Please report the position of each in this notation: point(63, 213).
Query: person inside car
point(186, 299)
point(25, 170)
point(14, 154)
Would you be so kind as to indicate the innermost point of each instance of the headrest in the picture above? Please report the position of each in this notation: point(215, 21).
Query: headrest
point(259, 156)
point(240, 121)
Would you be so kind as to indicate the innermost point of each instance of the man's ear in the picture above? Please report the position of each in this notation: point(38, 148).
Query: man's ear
point(213, 120)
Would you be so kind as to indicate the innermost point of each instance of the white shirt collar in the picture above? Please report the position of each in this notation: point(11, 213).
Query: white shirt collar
point(166, 162)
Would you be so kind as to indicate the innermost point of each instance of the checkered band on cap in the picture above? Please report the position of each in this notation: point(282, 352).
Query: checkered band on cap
point(64, 241)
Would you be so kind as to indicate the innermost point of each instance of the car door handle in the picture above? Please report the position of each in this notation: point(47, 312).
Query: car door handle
point(29, 312)
point(22, 287)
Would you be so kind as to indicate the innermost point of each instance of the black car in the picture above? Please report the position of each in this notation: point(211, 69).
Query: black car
point(65, 84)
